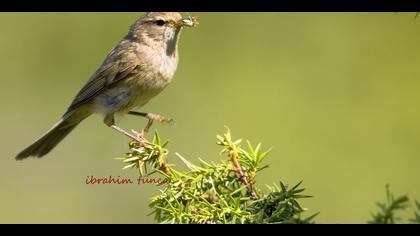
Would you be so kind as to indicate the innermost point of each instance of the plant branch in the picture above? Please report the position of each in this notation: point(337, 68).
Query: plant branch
point(213, 193)
point(237, 167)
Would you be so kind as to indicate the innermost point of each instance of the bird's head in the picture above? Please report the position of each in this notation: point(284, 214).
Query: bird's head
point(161, 29)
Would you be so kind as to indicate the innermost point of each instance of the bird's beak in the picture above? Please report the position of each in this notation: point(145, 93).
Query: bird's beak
point(187, 22)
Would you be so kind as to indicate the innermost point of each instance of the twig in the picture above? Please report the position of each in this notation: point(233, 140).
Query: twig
point(234, 158)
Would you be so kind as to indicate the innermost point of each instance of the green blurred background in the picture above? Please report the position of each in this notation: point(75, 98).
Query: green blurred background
point(335, 94)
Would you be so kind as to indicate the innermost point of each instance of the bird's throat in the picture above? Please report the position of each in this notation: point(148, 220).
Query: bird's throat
point(172, 43)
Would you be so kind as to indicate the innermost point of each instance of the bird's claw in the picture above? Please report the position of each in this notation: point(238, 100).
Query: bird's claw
point(159, 118)
point(139, 136)
point(153, 117)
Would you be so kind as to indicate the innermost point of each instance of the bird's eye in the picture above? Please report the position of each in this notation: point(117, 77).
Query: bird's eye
point(160, 22)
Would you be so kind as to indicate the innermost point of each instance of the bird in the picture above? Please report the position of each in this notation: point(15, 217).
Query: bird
point(137, 69)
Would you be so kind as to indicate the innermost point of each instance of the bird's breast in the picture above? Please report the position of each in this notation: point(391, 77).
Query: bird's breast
point(165, 66)
point(156, 63)
point(151, 79)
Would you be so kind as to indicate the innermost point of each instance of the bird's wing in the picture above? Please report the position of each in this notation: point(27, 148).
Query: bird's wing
point(115, 68)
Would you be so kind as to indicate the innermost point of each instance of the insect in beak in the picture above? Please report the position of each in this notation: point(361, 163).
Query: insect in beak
point(191, 21)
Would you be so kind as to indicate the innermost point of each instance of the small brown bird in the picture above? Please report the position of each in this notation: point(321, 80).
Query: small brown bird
point(135, 71)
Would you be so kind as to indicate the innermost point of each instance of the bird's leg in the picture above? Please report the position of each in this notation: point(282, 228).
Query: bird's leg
point(138, 138)
point(110, 121)
point(151, 117)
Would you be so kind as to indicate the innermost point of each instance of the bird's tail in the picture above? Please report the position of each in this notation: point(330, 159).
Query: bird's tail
point(50, 139)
